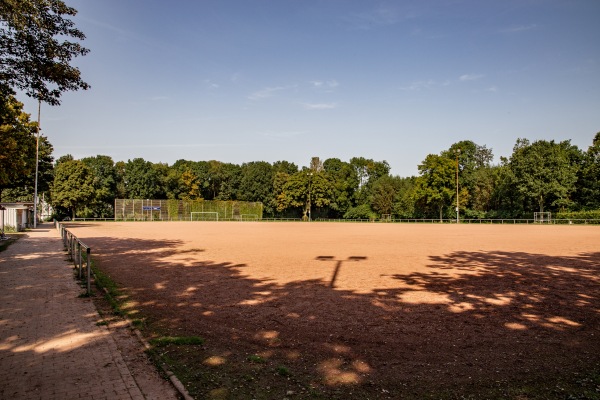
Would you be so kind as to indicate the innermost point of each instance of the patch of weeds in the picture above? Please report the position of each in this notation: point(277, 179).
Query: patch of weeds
point(283, 371)
point(256, 359)
point(102, 323)
point(177, 340)
point(138, 323)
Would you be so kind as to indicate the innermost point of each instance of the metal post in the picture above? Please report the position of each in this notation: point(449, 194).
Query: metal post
point(37, 151)
point(457, 208)
point(89, 270)
point(80, 263)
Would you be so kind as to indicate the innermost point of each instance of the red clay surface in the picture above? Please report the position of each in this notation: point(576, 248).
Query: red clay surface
point(387, 307)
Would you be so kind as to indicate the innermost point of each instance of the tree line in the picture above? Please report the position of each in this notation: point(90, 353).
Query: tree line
point(538, 176)
point(38, 41)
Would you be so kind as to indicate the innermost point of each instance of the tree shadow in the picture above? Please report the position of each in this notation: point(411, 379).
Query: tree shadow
point(476, 318)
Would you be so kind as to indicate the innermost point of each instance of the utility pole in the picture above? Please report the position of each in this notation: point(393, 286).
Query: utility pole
point(457, 209)
point(37, 154)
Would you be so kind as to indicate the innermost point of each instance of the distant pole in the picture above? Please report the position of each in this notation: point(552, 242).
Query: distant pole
point(37, 154)
point(457, 209)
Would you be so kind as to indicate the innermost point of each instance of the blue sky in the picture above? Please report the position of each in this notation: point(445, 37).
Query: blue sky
point(267, 80)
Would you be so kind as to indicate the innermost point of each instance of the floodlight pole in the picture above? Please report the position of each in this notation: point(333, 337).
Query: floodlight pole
point(309, 203)
point(37, 154)
point(457, 209)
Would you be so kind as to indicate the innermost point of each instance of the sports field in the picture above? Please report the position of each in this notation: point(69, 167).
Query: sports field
point(357, 310)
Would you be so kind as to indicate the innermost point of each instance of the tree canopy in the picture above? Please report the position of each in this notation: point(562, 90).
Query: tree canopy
point(35, 50)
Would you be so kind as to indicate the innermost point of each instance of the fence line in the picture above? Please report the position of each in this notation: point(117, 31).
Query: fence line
point(510, 221)
point(74, 248)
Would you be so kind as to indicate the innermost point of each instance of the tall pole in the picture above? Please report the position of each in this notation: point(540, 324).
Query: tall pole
point(457, 209)
point(37, 154)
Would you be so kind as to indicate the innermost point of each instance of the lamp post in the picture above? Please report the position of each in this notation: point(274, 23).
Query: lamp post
point(309, 187)
point(37, 153)
point(457, 151)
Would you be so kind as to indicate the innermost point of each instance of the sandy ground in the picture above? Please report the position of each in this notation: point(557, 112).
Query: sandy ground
point(386, 306)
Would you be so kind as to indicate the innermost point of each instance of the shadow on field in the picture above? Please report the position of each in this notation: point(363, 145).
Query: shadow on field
point(498, 317)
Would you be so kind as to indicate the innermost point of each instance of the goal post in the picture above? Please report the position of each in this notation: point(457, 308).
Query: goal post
point(204, 216)
point(542, 217)
point(386, 217)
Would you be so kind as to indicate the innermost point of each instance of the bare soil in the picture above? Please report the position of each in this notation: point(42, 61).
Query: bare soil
point(348, 310)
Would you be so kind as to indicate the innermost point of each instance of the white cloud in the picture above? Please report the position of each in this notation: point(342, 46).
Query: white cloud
point(419, 85)
point(493, 89)
point(330, 84)
point(267, 92)
point(470, 77)
point(320, 106)
point(211, 84)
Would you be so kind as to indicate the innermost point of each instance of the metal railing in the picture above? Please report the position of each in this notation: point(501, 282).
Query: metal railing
point(76, 248)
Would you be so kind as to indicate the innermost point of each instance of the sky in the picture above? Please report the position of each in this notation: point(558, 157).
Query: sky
point(267, 80)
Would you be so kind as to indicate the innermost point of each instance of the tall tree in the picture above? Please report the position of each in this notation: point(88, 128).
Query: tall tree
point(344, 183)
point(105, 186)
point(73, 186)
point(383, 195)
point(141, 179)
point(589, 181)
point(35, 50)
point(17, 142)
point(545, 172)
point(256, 183)
point(436, 185)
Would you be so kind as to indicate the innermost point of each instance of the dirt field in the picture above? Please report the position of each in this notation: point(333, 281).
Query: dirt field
point(345, 310)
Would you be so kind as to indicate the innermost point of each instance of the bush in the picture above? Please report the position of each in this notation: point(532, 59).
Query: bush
point(360, 212)
point(590, 214)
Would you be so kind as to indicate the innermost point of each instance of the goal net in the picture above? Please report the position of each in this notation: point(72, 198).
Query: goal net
point(542, 217)
point(386, 217)
point(204, 216)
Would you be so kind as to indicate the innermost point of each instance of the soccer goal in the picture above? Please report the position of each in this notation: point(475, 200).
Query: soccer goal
point(386, 217)
point(204, 216)
point(542, 217)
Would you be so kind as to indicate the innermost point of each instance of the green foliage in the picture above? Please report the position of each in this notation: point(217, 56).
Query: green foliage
point(362, 211)
point(588, 214)
point(17, 142)
point(73, 186)
point(436, 185)
point(105, 186)
point(34, 55)
point(545, 171)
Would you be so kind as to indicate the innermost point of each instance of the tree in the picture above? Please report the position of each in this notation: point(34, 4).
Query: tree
point(73, 186)
point(367, 172)
point(436, 184)
point(34, 55)
point(303, 189)
point(589, 178)
point(344, 183)
point(383, 195)
point(105, 186)
point(545, 172)
point(256, 183)
point(17, 143)
point(23, 187)
point(141, 179)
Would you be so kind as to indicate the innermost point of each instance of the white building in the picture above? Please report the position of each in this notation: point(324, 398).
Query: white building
point(16, 216)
